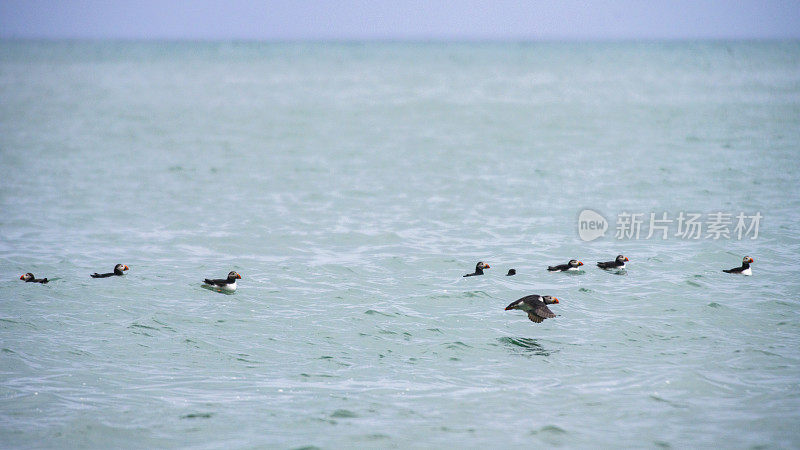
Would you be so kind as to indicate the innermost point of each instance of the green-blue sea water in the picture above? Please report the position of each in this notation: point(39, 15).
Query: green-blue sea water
point(352, 185)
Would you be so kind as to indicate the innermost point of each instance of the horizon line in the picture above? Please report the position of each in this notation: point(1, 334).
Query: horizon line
point(403, 40)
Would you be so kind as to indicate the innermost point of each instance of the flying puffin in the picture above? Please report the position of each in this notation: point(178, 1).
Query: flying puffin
point(118, 271)
point(226, 284)
point(535, 306)
point(478, 269)
point(573, 264)
point(618, 263)
point(29, 278)
point(744, 270)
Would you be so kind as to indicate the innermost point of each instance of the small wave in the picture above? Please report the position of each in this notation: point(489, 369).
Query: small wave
point(377, 437)
point(471, 294)
point(527, 345)
point(344, 414)
point(138, 325)
point(457, 345)
point(669, 402)
point(197, 416)
point(550, 429)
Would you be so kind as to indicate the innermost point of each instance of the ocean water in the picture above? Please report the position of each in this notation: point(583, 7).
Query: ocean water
point(352, 185)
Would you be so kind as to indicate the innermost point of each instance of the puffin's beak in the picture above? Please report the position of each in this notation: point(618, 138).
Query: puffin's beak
point(125, 268)
point(238, 276)
point(580, 263)
point(508, 308)
point(486, 266)
point(752, 260)
point(626, 258)
point(555, 299)
point(22, 277)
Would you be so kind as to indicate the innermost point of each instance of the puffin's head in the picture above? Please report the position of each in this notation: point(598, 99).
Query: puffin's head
point(621, 259)
point(575, 263)
point(120, 267)
point(548, 300)
point(234, 275)
point(748, 260)
point(26, 277)
point(481, 265)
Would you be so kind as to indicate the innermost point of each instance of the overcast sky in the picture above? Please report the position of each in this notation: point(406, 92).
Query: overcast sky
point(400, 19)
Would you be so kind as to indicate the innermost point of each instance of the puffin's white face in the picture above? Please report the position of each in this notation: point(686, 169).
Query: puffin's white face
point(621, 258)
point(234, 275)
point(26, 277)
point(575, 263)
point(120, 268)
point(748, 259)
point(549, 300)
point(482, 265)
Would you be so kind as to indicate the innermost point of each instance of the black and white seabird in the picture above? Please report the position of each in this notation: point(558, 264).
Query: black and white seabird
point(226, 284)
point(511, 272)
point(118, 271)
point(478, 269)
point(29, 278)
point(535, 306)
point(745, 269)
point(573, 264)
point(618, 263)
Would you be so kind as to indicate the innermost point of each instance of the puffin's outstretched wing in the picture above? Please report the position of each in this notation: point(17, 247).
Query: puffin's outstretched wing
point(544, 312)
point(535, 318)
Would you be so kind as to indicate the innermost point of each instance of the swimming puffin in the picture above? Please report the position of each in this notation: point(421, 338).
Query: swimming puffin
point(573, 264)
point(745, 269)
point(535, 306)
point(478, 269)
point(511, 272)
point(29, 278)
point(227, 284)
point(118, 270)
point(618, 263)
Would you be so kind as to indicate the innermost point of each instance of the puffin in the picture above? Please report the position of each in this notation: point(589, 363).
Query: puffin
point(618, 263)
point(30, 278)
point(478, 269)
point(226, 284)
point(535, 306)
point(744, 270)
point(573, 264)
point(511, 272)
point(118, 271)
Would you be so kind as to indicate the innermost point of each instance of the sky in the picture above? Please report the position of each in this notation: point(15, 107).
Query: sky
point(400, 19)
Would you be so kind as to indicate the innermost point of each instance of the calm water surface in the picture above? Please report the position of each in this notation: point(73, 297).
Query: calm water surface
point(352, 185)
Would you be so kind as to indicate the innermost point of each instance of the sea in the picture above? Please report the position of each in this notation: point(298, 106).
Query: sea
point(352, 184)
